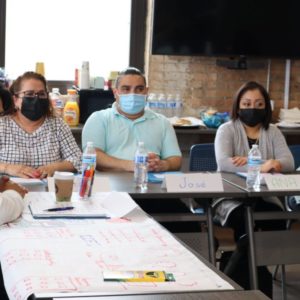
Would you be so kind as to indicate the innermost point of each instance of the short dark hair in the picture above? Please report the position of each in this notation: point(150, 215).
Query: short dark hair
point(250, 86)
point(7, 101)
point(129, 71)
point(16, 86)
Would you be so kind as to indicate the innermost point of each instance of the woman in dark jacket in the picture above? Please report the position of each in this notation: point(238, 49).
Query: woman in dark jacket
point(6, 102)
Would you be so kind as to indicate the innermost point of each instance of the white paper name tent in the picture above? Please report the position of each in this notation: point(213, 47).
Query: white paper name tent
point(283, 182)
point(194, 182)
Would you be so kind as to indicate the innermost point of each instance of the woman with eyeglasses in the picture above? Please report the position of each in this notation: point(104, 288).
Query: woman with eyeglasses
point(34, 143)
point(250, 124)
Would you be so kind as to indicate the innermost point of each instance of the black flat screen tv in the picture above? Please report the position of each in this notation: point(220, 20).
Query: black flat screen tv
point(251, 28)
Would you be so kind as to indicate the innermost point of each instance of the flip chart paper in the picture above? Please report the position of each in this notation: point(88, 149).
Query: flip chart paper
point(39, 257)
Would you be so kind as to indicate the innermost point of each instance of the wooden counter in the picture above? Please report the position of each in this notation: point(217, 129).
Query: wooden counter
point(187, 137)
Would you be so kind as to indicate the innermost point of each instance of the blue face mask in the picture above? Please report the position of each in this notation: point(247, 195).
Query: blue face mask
point(132, 103)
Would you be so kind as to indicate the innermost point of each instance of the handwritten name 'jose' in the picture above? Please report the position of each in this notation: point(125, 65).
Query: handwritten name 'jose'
point(188, 183)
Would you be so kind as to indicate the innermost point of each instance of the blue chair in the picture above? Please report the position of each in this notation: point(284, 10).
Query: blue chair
point(202, 158)
point(291, 203)
point(295, 149)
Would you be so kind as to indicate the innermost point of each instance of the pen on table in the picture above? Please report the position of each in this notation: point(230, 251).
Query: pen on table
point(59, 208)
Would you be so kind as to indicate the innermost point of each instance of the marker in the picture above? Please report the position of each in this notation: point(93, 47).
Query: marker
point(84, 183)
point(91, 182)
point(59, 208)
point(138, 276)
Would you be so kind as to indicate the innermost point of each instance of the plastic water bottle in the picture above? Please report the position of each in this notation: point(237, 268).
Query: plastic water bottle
point(155, 103)
point(152, 102)
point(57, 102)
point(141, 167)
point(178, 106)
point(170, 106)
point(88, 171)
point(161, 103)
point(254, 163)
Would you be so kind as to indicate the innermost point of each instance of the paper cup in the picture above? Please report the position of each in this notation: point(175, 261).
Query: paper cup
point(40, 68)
point(63, 182)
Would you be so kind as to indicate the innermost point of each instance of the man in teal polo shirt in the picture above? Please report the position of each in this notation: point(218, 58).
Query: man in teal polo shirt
point(116, 131)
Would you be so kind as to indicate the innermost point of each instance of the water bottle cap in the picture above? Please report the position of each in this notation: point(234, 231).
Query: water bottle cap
point(85, 65)
point(89, 144)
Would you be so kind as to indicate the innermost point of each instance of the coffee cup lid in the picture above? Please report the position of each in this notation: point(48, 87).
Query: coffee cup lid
point(63, 175)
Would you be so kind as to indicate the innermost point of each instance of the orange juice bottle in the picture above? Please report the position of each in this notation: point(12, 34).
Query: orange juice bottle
point(71, 110)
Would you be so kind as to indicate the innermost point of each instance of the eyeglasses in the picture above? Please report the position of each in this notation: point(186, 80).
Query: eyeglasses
point(33, 94)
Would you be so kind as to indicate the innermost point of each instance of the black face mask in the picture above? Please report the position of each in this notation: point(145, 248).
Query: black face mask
point(34, 108)
point(252, 116)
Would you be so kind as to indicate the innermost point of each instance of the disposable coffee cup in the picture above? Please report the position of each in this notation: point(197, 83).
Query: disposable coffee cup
point(63, 182)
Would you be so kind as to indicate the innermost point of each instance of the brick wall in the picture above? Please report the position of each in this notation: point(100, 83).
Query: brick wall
point(203, 84)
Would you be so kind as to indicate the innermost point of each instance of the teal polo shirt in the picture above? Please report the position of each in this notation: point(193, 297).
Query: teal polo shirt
point(118, 136)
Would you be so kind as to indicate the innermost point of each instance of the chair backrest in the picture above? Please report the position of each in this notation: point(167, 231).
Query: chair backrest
point(202, 157)
point(295, 149)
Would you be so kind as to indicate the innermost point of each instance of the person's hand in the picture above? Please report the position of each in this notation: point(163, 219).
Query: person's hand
point(271, 165)
point(155, 164)
point(128, 166)
point(239, 161)
point(46, 171)
point(3, 180)
point(23, 171)
point(6, 184)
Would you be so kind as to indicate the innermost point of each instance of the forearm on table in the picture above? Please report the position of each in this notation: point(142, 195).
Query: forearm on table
point(12, 206)
point(107, 162)
point(62, 166)
point(226, 165)
point(172, 163)
point(3, 168)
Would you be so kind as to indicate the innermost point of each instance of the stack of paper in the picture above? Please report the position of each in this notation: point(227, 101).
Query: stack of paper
point(101, 205)
point(289, 117)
